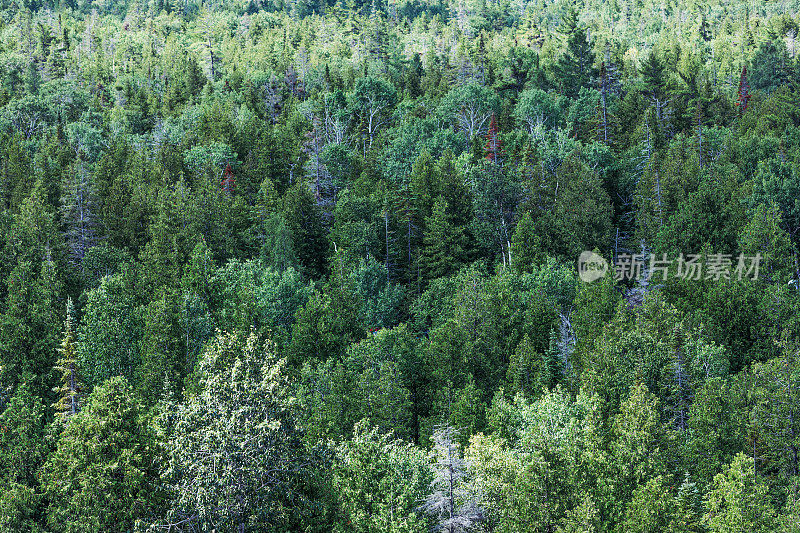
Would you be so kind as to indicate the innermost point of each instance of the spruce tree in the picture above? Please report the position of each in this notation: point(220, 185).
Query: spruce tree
point(654, 78)
point(23, 448)
point(552, 363)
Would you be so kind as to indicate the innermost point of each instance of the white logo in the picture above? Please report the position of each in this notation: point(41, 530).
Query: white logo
point(591, 266)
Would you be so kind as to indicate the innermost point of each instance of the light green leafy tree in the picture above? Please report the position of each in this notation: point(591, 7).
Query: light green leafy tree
point(379, 481)
point(737, 501)
point(235, 454)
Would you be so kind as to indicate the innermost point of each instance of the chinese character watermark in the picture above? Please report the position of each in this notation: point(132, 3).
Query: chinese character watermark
point(592, 266)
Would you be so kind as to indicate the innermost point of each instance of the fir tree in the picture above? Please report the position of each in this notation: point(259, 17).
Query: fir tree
point(526, 252)
point(654, 77)
point(443, 249)
point(553, 364)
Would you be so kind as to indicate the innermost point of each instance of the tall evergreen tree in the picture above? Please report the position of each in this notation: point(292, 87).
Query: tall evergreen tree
point(23, 449)
point(70, 386)
point(443, 244)
point(575, 67)
point(103, 473)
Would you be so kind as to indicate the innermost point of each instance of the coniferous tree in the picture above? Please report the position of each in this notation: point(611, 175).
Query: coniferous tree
point(552, 363)
point(575, 68)
point(304, 223)
point(744, 91)
point(654, 78)
point(526, 252)
point(23, 449)
point(103, 471)
point(443, 243)
point(70, 388)
point(28, 336)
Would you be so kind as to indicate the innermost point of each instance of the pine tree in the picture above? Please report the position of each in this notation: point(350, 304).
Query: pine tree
point(277, 250)
point(524, 370)
point(575, 68)
point(553, 365)
point(406, 207)
point(304, 221)
point(526, 251)
point(316, 171)
point(71, 387)
point(32, 78)
point(764, 235)
point(104, 473)
point(23, 449)
point(29, 324)
point(654, 77)
point(688, 507)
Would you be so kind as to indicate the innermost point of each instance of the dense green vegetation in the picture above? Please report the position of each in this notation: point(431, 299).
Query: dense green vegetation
point(304, 266)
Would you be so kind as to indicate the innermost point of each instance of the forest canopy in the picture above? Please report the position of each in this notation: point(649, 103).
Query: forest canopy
point(301, 265)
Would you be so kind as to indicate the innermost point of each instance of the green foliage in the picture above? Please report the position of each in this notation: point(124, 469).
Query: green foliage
point(244, 414)
point(379, 482)
point(737, 500)
point(326, 325)
point(71, 385)
point(526, 248)
point(317, 173)
point(110, 326)
point(302, 218)
point(538, 111)
point(443, 244)
point(23, 449)
point(572, 210)
point(470, 106)
point(374, 383)
point(28, 336)
point(249, 294)
point(103, 473)
point(575, 68)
